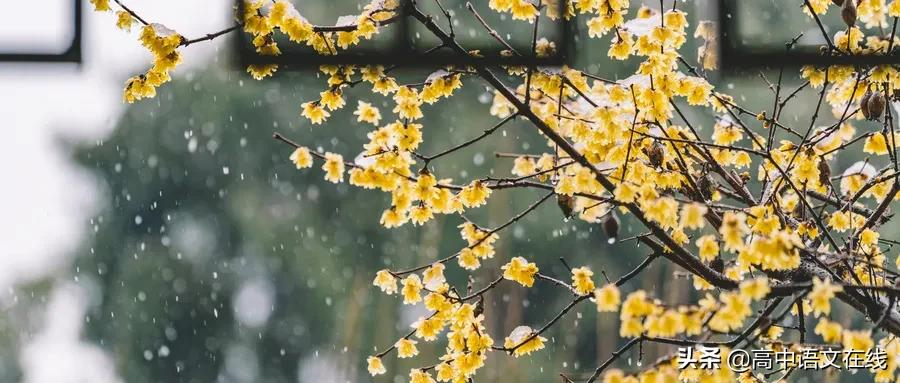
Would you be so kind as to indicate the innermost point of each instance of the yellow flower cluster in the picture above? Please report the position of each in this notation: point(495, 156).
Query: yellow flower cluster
point(467, 338)
point(607, 298)
point(480, 246)
point(100, 5)
point(524, 340)
point(520, 270)
point(262, 18)
point(162, 43)
point(581, 280)
point(645, 162)
point(520, 9)
point(819, 298)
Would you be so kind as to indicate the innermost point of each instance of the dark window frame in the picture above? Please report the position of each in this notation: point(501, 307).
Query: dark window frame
point(736, 56)
point(400, 52)
point(72, 54)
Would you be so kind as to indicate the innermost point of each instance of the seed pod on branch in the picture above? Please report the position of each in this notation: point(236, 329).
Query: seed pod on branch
point(479, 306)
point(656, 154)
point(800, 212)
point(864, 104)
point(848, 13)
point(566, 204)
point(876, 105)
point(707, 186)
point(611, 227)
point(824, 172)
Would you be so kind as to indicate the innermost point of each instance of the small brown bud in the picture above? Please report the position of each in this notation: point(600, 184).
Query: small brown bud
point(611, 227)
point(838, 2)
point(800, 212)
point(566, 204)
point(876, 105)
point(656, 154)
point(864, 104)
point(707, 186)
point(848, 13)
point(824, 172)
point(479, 306)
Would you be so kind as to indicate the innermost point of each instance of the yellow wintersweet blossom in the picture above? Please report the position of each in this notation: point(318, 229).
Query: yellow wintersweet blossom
point(636, 305)
point(520, 270)
point(475, 194)
point(412, 286)
point(315, 112)
point(616, 375)
point(708, 248)
point(468, 260)
point(124, 20)
point(375, 366)
point(420, 214)
point(631, 328)
point(417, 375)
point(333, 167)
point(831, 332)
point(894, 9)
point(731, 315)
point(301, 158)
point(393, 217)
point(876, 144)
point(162, 42)
point(756, 288)
point(820, 296)
point(692, 216)
point(524, 334)
point(100, 5)
point(261, 71)
point(365, 112)
point(668, 324)
point(428, 328)
point(406, 348)
point(433, 277)
point(581, 280)
point(733, 229)
point(869, 237)
point(840, 220)
point(607, 298)
point(385, 281)
point(857, 340)
point(622, 47)
point(332, 99)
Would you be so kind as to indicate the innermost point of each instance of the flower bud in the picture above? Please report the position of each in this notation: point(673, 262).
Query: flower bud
point(876, 105)
point(848, 13)
point(800, 212)
point(864, 104)
point(566, 204)
point(707, 186)
point(479, 306)
point(611, 227)
point(656, 154)
point(824, 172)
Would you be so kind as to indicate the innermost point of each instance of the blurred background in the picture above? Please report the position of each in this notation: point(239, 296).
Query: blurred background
point(172, 241)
